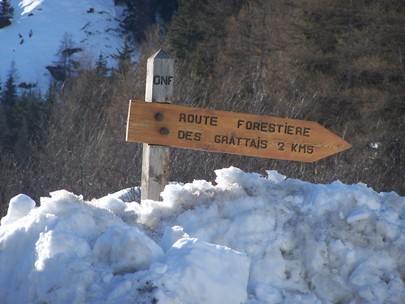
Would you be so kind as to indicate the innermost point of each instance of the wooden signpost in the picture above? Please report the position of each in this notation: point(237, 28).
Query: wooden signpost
point(156, 159)
point(229, 132)
point(159, 125)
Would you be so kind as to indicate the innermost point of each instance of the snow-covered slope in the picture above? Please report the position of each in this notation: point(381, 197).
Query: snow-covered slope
point(39, 27)
point(247, 239)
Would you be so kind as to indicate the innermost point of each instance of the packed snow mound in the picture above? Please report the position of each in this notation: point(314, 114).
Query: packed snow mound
point(40, 27)
point(244, 239)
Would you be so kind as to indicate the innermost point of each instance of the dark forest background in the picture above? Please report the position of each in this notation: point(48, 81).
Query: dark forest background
point(340, 63)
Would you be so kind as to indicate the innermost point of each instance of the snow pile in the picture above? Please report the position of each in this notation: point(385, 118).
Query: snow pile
point(246, 239)
point(39, 27)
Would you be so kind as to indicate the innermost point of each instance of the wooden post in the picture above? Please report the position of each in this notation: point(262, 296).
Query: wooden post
point(156, 159)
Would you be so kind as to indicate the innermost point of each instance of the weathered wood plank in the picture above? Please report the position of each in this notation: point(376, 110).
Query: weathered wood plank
point(230, 132)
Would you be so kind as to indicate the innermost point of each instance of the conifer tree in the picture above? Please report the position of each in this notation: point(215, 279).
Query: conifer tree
point(197, 29)
point(4, 129)
point(9, 93)
point(8, 101)
point(140, 15)
point(66, 65)
point(124, 57)
point(185, 30)
point(6, 13)
point(101, 66)
point(166, 8)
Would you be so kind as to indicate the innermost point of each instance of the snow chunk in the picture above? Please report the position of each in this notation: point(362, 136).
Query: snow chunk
point(112, 203)
point(19, 207)
point(199, 272)
point(275, 176)
point(125, 249)
point(51, 245)
point(171, 236)
point(357, 214)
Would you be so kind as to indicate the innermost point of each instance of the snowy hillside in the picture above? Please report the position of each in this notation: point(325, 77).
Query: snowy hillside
point(39, 27)
point(246, 239)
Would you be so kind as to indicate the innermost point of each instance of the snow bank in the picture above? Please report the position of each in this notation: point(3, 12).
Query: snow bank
point(246, 239)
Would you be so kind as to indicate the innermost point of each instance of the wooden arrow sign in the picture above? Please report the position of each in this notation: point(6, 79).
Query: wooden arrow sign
point(229, 132)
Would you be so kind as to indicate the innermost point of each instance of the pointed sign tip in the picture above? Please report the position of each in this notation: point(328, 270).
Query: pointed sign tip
point(160, 54)
point(346, 146)
point(343, 145)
